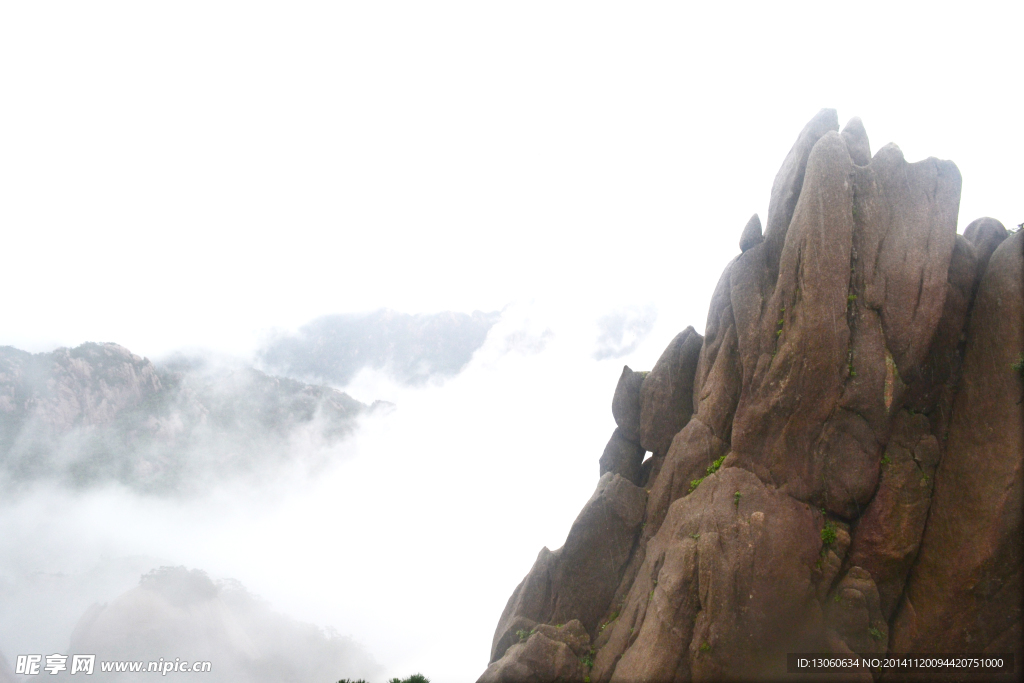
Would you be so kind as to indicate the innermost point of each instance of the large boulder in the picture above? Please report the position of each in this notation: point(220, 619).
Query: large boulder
point(578, 580)
point(856, 139)
point(626, 403)
point(622, 456)
point(986, 234)
point(666, 396)
point(751, 235)
point(727, 585)
point(544, 654)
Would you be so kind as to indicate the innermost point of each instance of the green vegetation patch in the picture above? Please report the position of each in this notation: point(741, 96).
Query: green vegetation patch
point(712, 468)
point(828, 533)
point(524, 634)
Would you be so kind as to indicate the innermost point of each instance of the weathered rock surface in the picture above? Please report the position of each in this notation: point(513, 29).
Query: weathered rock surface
point(751, 235)
point(577, 581)
point(855, 615)
point(622, 456)
point(888, 534)
point(856, 139)
point(862, 279)
point(964, 593)
point(719, 592)
point(666, 395)
point(986, 234)
point(845, 475)
point(626, 403)
point(545, 654)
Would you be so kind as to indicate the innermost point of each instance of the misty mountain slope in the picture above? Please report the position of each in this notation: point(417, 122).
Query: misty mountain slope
point(175, 613)
point(412, 348)
point(98, 413)
point(837, 464)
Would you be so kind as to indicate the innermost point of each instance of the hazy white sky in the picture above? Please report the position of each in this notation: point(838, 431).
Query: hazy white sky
point(197, 173)
point(193, 173)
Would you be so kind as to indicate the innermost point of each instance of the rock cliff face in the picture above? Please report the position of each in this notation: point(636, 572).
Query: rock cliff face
point(836, 465)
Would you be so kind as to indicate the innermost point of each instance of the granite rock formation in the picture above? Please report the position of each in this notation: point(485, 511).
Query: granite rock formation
point(836, 465)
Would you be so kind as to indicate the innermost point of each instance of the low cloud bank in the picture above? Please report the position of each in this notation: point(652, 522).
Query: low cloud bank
point(414, 349)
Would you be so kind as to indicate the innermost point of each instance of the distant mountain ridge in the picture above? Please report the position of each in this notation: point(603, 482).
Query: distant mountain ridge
point(98, 413)
point(413, 348)
point(181, 612)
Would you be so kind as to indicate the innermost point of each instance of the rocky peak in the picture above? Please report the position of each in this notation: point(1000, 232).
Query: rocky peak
point(836, 464)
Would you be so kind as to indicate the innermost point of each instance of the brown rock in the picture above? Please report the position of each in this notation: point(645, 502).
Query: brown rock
point(751, 236)
point(717, 382)
point(854, 614)
point(906, 216)
point(694, 449)
point(964, 591)
point(888, 534)
point(789, 182)
point(518, 625)
point(623, 457)
point(822, 349)
point(626, 404)
point(856, 139)
point(935, 386)
point(572, 634)
point(666, 396)
point(725, 587)
point(793, 371)
point(538, 660)
point(831, 560)
point(986, 234)
point(578, 580)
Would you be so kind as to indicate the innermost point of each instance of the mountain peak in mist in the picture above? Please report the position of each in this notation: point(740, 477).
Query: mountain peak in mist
point(184, 614)
point(412, 348)
point(97, 414)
